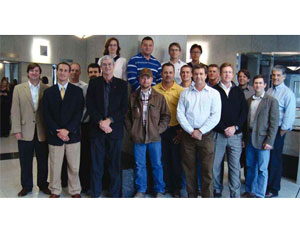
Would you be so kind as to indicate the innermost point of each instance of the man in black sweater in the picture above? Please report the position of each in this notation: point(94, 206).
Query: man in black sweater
point(229, 132)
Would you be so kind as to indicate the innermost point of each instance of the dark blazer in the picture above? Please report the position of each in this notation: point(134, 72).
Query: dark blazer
point(266, 121)
point(117, 108)
point(63, 114)
point(234, 109)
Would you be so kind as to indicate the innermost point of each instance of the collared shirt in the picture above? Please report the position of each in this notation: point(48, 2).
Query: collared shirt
point(226, 89)
point(172, 96)
point(34, 90)
point(177, 67)
point(193, 83)
point(85, 118)
point(139, 62)
point(287, 105)
point(60, 86)
point(199, 109)
point(253, 107)
point(145, 100)
point(248, 91)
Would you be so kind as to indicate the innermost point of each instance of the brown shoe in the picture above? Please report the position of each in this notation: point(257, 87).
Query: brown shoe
point(23, 192)
point(46, 191)
point(76, 196)
point(54, 196)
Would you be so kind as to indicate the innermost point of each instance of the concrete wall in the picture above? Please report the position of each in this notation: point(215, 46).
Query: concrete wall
point(218, 49)
point(19, 48)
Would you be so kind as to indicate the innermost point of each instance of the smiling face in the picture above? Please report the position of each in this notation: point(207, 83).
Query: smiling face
point(226, 74)
point(63, 73)
point(195, 54)
point(147, 47)
point(112, 48)
point(243, 79)
point(107, 67)
point(199, 76)
point(277, 77)
point(145, 81)
point(34, 74)
point(259, 86)
point(174, 52)
point(186, 74)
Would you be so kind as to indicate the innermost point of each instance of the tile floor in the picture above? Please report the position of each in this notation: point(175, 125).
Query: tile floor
point(10, 183)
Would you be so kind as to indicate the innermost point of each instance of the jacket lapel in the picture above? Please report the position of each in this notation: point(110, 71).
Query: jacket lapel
point(260, 106)
point(28, 94)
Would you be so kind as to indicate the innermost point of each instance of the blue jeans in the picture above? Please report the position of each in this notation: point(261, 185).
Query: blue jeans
point(154, 150)
point(257, 161)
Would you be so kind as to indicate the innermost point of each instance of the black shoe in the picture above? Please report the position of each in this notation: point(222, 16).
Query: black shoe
point(217, 195)
point(46, 191)
point(248, 195)
point(23, 192)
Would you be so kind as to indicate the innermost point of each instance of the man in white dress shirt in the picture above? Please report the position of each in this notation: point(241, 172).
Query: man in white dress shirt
point(198, 112)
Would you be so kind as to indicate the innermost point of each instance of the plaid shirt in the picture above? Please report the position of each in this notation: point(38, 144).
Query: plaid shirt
point(145, 99)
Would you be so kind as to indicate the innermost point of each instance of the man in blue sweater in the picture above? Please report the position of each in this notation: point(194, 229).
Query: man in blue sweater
point(229, 132)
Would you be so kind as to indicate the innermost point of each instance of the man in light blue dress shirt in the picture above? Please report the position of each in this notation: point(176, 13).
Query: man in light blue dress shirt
point(287, 113)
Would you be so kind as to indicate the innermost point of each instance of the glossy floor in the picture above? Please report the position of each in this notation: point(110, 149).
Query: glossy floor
point(10, 183)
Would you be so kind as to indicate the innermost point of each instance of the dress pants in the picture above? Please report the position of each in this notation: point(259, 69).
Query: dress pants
point(205, 149)
point(234, 149)
point(101, 146)
point(72, 153)
point(171, 160)
point(26, 152)
point(85, 157)
point(275, 164)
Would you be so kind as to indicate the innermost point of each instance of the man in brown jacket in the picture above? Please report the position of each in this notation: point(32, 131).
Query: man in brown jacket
point(29, 129)
point(148, 116)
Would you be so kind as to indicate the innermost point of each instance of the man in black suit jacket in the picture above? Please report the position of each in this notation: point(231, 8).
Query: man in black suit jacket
point(107, 105)
point(63, 107)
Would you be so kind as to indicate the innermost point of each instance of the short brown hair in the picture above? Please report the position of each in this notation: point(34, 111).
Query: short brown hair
point(31, 66)
point(167, 64)
point(213, 66)
point(175, 44)
point(200, 66)
point(186, 66)
point(64, 63)
point(196, 46)
point(246, 72)
point(259, 76)
point(107, 43)
point(225, 64)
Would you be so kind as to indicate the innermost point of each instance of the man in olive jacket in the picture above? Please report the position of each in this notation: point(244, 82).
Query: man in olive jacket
point(148, 116)
point(262, 126)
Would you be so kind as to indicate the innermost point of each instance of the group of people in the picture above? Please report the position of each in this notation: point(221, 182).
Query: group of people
point(182, 118)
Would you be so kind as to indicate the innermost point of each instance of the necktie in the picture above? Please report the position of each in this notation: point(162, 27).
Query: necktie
point(62, 92)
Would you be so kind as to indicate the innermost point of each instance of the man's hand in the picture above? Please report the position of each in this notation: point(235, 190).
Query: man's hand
point(282, 132)
point(229, 131)
point(105, 125)
point(177, 139)
point(197, 134)
point(63, 134)
point(18, 136)
point(266, 146)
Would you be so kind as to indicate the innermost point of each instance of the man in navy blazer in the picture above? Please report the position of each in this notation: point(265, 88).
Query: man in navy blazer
point(106, 100)
point(63, 106)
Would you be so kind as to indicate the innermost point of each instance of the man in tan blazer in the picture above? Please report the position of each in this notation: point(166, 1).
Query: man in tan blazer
point(29, 129)
point(262, 126)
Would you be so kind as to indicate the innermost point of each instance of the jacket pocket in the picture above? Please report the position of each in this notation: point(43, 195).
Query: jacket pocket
point(262, 133)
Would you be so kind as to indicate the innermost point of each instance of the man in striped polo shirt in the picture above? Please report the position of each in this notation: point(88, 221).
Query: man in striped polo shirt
point(142, 60)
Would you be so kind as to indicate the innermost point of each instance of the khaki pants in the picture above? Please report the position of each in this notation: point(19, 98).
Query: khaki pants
point(57, 153)
point(205, 149)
